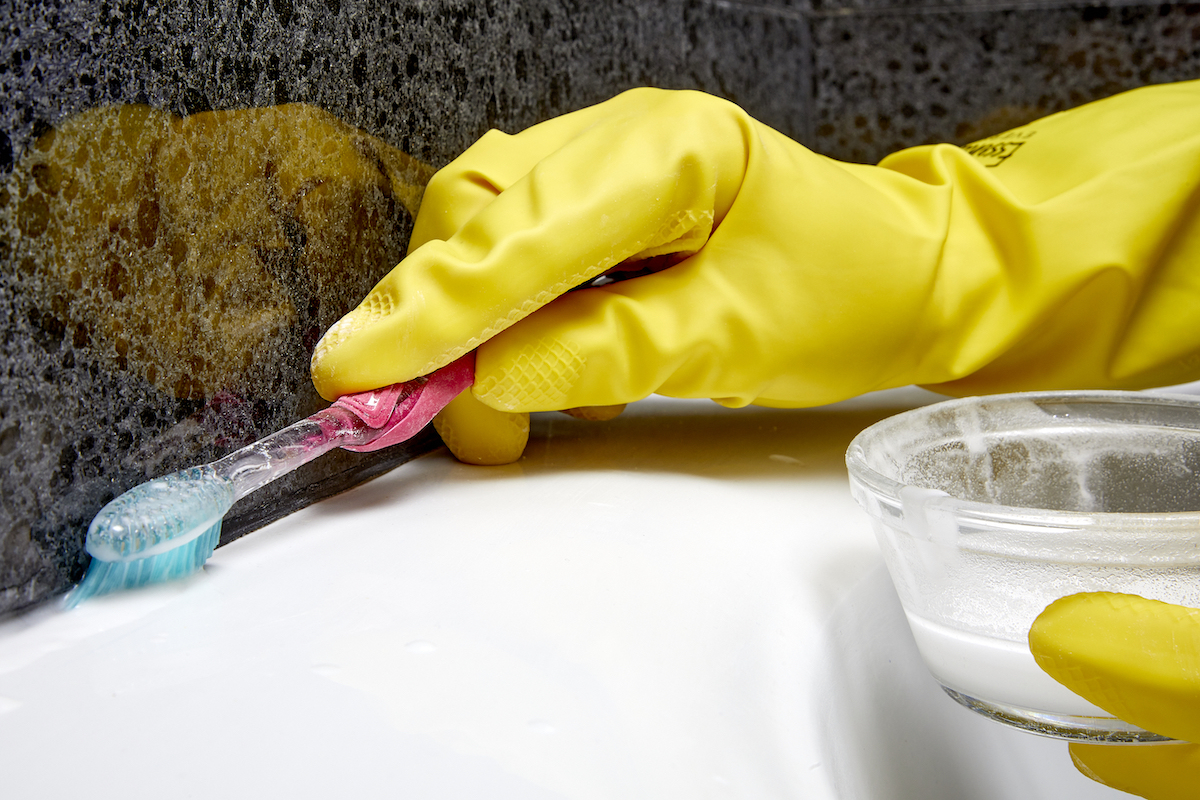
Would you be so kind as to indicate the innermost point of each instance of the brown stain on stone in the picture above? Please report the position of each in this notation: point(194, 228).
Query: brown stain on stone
point(187, 248)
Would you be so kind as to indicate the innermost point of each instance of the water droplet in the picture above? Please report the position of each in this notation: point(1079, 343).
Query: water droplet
point(541, 726)
point(420, 647)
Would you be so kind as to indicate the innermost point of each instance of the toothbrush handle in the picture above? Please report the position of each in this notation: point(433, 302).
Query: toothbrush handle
point(257, 464)
point(359, 422)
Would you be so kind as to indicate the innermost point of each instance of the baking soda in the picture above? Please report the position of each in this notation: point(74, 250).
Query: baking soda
point(994, 670)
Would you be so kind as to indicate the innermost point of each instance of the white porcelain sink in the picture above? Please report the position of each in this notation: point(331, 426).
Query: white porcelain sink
point(682, 603)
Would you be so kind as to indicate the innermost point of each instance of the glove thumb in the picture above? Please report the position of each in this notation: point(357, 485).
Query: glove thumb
point(477, 434)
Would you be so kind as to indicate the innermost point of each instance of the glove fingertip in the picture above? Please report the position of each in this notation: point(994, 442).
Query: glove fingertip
point(1158, 772)
point(1080, 757)
point(1136, 658)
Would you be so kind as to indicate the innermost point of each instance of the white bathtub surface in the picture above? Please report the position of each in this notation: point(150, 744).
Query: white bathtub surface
point(681, 603)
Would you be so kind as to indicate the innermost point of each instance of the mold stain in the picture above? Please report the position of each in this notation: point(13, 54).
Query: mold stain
point(196, 251)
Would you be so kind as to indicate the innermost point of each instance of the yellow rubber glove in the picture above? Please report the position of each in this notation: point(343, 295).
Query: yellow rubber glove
point(1139, 660)
point(1061, 255)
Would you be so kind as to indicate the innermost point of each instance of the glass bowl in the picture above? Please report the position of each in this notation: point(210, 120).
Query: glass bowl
point(988, 509)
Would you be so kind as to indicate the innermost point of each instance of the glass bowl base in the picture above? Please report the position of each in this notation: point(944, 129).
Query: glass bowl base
point(1096, 730)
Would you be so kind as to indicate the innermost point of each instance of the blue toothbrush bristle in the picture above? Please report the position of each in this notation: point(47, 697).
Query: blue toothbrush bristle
point(159, 515)
point(104, 577)
point(159, 531)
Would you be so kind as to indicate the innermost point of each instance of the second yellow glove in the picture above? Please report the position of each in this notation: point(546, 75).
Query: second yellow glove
point(1139, 660)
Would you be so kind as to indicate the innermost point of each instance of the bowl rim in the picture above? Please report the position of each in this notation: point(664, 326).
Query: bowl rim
point(1035, 519)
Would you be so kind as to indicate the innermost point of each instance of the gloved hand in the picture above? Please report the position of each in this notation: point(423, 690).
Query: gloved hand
point(1062, 256)
point(1139, 660)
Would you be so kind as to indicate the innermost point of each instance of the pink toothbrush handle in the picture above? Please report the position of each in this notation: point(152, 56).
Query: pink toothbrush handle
point(401, 410)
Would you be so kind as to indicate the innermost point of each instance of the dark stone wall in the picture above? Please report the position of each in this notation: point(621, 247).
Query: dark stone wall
point(854, 79)
point(892, 74)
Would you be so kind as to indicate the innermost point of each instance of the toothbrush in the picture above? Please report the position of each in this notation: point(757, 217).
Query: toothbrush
point(168, 527)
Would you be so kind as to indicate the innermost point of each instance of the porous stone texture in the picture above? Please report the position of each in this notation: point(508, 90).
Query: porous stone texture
point(890, 76)
point(88, 409)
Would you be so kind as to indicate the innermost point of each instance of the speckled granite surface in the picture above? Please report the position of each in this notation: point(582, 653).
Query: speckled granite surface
point(80, 420)
point(892, 76)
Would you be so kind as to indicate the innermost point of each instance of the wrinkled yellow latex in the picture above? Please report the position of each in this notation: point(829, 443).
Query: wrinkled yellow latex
point(1139, 660)
point(1063, 254)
